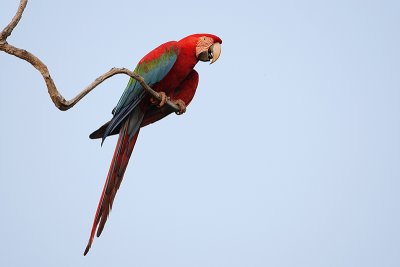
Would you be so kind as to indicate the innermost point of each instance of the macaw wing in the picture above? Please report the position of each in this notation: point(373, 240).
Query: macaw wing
point(153, 68)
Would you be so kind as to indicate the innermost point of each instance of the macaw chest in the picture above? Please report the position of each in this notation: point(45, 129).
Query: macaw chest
point(172, 81)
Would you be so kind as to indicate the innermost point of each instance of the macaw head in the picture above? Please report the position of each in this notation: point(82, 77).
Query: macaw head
point(207, 47)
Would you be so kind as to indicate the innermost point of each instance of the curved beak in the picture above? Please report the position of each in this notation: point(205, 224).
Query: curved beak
point(215, 50)
point(211, 54)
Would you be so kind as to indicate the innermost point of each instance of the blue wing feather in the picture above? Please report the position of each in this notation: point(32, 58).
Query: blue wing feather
point(152, 72)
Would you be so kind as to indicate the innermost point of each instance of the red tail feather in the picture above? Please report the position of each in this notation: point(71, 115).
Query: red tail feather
point(120, 160)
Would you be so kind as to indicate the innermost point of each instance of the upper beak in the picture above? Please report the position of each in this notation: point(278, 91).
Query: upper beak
point(211, 54)
point(214, 52)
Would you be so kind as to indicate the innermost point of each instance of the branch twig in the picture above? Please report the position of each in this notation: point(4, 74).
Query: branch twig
point(58, 100)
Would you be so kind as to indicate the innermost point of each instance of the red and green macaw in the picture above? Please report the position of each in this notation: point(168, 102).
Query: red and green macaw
point(168, 69)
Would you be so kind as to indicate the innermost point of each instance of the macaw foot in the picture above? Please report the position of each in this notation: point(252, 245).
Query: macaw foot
point(181, 105)
point(161, 102)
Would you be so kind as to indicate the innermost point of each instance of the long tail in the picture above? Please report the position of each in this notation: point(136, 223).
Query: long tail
point(126, 142)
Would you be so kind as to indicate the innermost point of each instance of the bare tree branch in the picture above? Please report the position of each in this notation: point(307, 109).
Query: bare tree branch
point(10, 27)
point(58, 100)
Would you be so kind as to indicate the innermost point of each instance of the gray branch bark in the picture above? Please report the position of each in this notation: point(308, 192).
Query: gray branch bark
point(59, 101)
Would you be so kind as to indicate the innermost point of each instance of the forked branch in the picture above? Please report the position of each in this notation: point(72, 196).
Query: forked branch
point(59, 101)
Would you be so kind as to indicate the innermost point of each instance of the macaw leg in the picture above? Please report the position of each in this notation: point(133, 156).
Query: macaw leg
point(184, 92)
point(182, 106)
point(183, 95)
point(161, 102)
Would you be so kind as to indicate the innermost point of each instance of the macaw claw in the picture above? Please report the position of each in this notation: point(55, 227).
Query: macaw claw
point(160, 103)
point(181, 105)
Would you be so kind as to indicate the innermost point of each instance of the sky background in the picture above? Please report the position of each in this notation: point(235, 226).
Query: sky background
point(289, 154)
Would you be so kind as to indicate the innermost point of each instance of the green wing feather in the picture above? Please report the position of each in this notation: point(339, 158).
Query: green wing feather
point(153, 68)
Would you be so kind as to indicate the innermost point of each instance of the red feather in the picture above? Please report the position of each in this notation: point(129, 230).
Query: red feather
point(120, 160)
point(180, 83)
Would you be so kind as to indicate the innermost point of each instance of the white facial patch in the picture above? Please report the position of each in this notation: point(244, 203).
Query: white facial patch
point(203, 44)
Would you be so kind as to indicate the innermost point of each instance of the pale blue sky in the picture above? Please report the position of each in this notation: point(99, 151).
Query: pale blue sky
point(288, 155)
